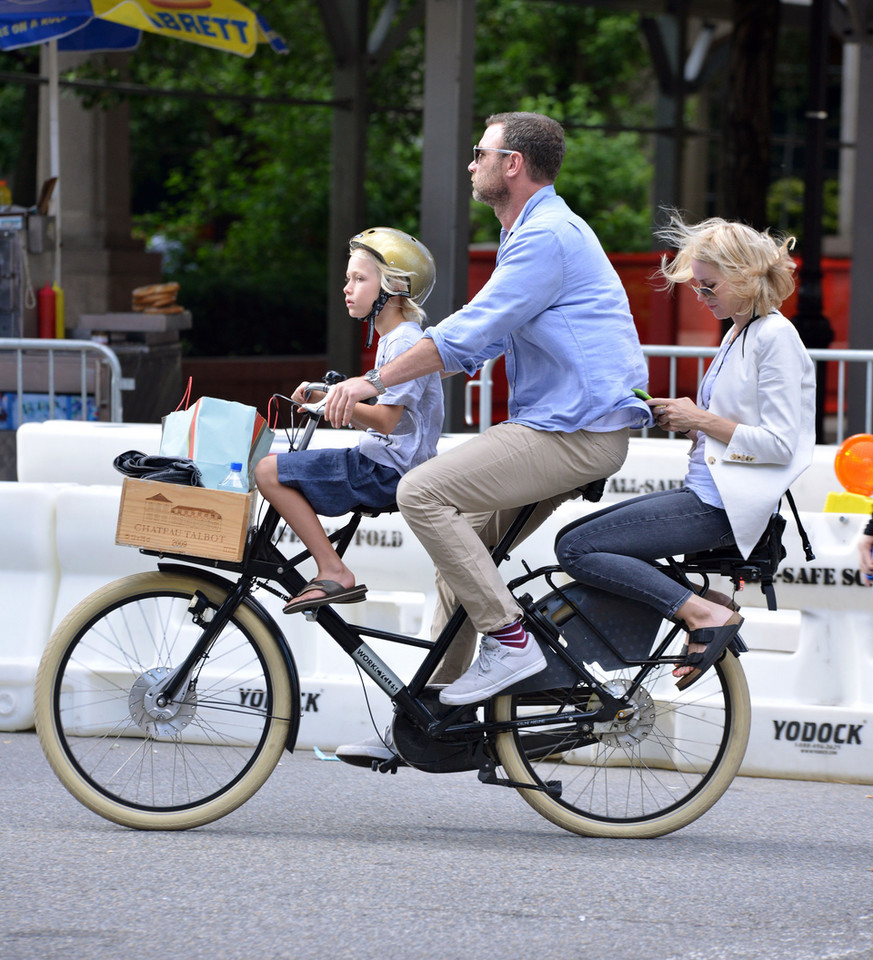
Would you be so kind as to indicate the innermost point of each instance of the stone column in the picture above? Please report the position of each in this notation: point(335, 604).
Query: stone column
point(101, 263)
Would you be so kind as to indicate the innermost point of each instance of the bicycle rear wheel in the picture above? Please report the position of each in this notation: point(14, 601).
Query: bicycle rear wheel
point(649, 775)
point(172, 767)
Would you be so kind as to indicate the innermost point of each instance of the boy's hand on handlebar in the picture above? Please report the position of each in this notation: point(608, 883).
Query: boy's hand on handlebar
point(340, 405)
point(305, 393)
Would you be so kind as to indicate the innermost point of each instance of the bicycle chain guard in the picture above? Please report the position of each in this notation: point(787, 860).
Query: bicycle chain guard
point(435, 756)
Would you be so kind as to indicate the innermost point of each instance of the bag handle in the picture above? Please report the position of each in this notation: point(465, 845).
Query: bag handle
point(186, 396)
point(273, 409)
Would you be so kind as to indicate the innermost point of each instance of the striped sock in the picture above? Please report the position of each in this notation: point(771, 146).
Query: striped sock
point(512, 635)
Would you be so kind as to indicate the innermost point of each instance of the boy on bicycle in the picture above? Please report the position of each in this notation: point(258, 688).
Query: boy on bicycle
point(389, 275)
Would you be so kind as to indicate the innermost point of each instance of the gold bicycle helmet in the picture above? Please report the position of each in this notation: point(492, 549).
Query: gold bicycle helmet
point(404, 253)
point(401, 252)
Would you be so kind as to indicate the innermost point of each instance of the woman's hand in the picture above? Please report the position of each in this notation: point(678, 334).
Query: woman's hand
point(865, 559)
point(682, 415)
point(676, 414)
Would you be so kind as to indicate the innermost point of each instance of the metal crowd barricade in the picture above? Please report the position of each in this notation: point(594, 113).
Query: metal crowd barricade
point(98, 368)
point(842, 358)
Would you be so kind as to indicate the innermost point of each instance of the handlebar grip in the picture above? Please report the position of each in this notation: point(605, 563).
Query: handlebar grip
point(317, 409)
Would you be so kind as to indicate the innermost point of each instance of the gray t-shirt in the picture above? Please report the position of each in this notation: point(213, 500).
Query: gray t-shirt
point(414, 440)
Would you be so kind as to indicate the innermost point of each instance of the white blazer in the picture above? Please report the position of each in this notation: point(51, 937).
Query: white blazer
point(767, 386)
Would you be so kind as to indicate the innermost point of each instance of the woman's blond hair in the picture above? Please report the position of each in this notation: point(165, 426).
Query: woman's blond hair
point(758, 267)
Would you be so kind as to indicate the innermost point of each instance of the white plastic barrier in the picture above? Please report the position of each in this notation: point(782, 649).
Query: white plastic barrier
point(87, 555)
point(810, 666)
point(59, 451)
point(28, 589)
point(74, 451)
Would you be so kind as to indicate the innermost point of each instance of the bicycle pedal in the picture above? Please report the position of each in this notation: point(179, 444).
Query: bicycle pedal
point(385, 766)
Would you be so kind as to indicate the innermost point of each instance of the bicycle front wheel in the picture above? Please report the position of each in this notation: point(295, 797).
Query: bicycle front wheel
point(161, 766)
point(650, 774)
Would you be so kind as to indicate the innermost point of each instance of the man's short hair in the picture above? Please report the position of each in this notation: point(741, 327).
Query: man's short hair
point(539, 139)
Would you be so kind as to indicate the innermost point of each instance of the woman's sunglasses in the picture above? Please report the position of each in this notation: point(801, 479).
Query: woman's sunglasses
point(708, 293)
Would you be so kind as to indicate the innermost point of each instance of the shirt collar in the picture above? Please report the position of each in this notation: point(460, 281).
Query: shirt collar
point(527, 209)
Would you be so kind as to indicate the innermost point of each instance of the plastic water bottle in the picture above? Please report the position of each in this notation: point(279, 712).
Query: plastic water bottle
point(233, 481)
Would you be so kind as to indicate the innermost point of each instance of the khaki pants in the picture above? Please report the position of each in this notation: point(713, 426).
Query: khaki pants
point(459, 503)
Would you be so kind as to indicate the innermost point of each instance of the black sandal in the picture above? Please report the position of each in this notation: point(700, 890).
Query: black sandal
point(716, 641)
point(333, 593)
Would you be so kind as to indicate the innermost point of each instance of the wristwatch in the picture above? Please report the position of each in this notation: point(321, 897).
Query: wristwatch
point(376, 380)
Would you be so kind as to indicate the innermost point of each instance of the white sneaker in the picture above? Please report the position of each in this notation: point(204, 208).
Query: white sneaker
point(373, 748)
point(496, 668)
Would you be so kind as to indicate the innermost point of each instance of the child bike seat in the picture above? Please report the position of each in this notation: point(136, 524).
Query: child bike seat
point(374, 511)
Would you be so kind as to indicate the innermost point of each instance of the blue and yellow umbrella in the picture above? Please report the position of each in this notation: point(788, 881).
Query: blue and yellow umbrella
point(115, 24)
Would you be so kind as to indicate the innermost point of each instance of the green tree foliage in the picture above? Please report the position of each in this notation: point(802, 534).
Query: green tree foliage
point(589, 70)
point(18, 111)
point(244, 188)
point(12, 110)
point(785, 207)
point(238, 190)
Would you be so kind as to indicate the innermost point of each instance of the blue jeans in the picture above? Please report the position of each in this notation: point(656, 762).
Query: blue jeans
point(613, 549)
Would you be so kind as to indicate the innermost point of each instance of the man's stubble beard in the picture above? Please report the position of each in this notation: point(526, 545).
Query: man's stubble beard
point(492, 196)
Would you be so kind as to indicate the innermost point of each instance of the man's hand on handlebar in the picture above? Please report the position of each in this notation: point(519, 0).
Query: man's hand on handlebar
point(340, 405)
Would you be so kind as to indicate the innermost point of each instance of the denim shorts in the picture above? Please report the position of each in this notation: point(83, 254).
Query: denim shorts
point(335, 481)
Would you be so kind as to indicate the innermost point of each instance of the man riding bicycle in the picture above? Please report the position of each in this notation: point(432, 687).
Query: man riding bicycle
point(556, 309)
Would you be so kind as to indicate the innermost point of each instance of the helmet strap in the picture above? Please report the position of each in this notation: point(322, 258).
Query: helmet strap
point(370, 319)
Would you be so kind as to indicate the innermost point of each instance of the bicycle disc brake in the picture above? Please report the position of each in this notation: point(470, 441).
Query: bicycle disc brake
point(164, 720)
point(632, 729)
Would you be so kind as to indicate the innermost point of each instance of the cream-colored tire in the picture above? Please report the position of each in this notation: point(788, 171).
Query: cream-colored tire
point(117, 749)
point(654, 774)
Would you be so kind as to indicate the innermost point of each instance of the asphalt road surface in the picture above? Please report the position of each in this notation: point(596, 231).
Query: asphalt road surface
point(330, 861)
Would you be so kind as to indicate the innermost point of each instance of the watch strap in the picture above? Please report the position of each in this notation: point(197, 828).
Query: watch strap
point(376, 380)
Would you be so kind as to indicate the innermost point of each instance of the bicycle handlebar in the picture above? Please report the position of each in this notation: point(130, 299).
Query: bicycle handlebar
point(317, 409)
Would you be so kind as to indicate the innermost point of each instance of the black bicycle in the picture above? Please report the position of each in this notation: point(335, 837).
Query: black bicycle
point(165, 699)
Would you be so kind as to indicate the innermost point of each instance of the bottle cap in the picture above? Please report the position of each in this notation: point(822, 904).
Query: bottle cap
point(236, 466)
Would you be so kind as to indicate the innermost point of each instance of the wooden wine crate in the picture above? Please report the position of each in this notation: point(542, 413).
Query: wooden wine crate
point(179, 519)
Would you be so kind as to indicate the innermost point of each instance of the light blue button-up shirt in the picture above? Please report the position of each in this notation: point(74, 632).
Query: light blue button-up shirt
point(557, 310)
